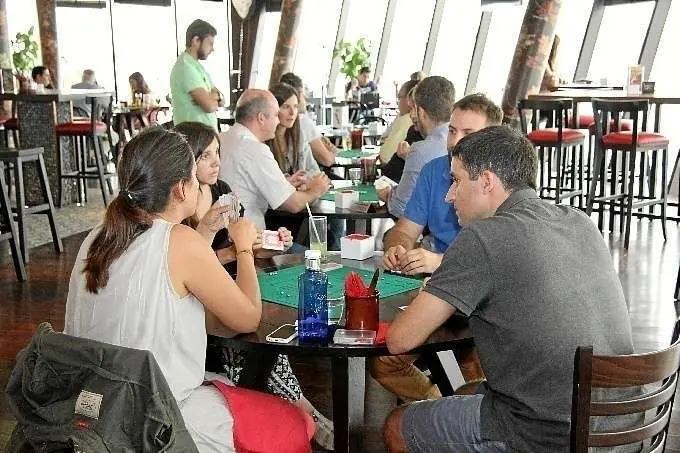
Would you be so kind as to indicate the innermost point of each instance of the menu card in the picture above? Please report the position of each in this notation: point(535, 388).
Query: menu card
point(636, 74)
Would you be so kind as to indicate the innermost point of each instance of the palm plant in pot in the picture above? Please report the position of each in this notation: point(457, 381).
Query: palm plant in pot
point(24, 54)
point(353, 56)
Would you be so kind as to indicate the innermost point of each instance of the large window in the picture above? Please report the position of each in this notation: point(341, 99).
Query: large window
point(86, 46)
point(571, 28)
point(20, 17)
point(619, 41)
point(316, 38)
point(365, 19)
point(145, 41)
point(665, 74)
point(267, 32)
point(406, 49)
point(506, 22)
point(456, 42)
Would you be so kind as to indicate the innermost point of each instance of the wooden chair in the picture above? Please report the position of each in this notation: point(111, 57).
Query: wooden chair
point(565, 143)
point(19, 158)
point(82, 134)
point(357, 110)
point(620, 372)
point(8, 231)
point(631, 149)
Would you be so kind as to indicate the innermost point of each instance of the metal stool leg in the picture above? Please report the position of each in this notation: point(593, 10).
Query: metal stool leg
point(664, 192)
point(629, 201)
point(100, 170)
point(6, 213)
point(47, 195)
point(21, 204)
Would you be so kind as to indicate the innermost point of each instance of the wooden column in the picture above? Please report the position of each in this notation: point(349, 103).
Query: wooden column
point(286, 42)
point(243, 36)
point(531, 55)
point(5, 52)
point(47, 22)
point(6, 71)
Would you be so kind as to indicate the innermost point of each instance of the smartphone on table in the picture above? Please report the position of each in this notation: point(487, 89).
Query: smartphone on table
point(284, 334)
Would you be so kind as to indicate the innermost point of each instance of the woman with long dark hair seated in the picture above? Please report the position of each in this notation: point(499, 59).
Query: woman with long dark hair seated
point(206, 148)
point(145, 281)
point(290, 147)
point(282, 382)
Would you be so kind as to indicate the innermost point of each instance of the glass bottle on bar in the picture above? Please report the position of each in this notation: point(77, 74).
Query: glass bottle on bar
point(313, 304)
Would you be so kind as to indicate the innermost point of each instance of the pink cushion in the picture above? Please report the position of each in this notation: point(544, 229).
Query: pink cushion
point(550, 135)
point(624, 125)
point(11, 123)
point(79, 127)
point(584, 120)
point(643, 138)
point(266, 423)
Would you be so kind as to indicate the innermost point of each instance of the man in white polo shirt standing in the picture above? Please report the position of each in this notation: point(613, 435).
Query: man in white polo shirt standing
point(249, 167)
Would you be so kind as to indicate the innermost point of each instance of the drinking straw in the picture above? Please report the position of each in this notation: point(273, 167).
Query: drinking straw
point(311, 222)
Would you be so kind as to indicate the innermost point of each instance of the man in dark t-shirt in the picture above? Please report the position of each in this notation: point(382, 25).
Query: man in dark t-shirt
point(536, 281)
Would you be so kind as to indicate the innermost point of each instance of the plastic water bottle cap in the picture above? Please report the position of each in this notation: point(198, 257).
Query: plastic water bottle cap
point(313, 254)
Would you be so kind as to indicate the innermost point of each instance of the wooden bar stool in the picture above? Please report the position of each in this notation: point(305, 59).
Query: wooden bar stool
point(18, 159)
point(10, 126)
point(567, 144)
point(8, 231)
point(628, 146)
point(84, 133)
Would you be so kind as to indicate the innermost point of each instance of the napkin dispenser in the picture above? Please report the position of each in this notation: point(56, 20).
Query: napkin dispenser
point(345, 198)
point(357, 246)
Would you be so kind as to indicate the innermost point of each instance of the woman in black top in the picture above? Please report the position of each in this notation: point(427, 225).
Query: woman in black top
point(206, 146)
point(281, 382)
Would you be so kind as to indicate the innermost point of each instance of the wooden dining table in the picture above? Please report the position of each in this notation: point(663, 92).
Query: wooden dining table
point(348, 363)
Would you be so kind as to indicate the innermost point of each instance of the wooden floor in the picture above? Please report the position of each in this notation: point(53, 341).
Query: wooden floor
point(647, 272)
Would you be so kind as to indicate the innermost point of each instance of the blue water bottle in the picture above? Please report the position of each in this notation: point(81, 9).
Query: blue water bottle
point(313, 303)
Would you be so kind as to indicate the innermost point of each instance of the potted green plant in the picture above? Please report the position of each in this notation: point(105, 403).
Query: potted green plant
point(24, 55)
point(353, 56)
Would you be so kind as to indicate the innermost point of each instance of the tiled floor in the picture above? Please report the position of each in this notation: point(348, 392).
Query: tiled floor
point(647, 272)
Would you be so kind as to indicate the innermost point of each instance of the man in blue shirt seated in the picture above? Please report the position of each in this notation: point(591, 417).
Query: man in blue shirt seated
point(426, 209)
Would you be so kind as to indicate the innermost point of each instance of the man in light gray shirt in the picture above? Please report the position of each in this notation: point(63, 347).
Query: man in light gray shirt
point(249, 167)
point(434, 98)
point(81, 107)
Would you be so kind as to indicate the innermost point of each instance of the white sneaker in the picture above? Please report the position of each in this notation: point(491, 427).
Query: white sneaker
point(324, 431)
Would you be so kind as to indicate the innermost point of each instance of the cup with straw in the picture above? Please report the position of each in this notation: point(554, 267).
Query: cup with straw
point(316, 242)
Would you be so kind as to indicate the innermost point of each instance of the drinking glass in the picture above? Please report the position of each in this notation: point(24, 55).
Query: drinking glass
point(336, 307)
point(321, 242)
point(355, 176)
point(357, 138)
point(363, 313)
point(368, 170)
